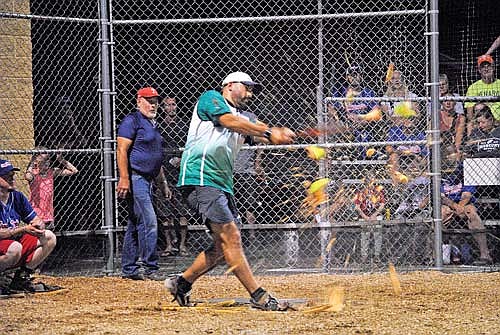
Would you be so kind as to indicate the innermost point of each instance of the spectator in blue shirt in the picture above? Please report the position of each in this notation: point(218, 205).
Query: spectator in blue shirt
point(24, 246)
point(402, 156)
point(458, 200)
point(349, 111)
point(139, 157)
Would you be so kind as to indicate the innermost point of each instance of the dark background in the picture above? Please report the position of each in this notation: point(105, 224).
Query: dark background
point(183, 60)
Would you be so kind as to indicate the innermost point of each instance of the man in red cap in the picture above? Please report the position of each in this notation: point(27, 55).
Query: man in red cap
point(139, 157)
point(487, 86)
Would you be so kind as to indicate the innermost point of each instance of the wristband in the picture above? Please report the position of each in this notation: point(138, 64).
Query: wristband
point(267, 134)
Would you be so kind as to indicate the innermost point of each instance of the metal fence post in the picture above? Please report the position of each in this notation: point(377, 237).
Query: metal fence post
point(436, 156)
point(107, 133)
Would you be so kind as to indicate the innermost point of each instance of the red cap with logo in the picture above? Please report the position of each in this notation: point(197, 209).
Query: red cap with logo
point(484, 58)
point(147, 92)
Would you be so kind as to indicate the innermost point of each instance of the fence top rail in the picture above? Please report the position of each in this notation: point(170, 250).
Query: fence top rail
point(396, 99)
point(18, 16)
point(274, 18)
point(47, 151)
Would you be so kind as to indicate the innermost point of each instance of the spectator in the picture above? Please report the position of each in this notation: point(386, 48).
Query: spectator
point(458, 200)
point(175, 123)
point(216, 133)
point(453, 109)
point(139, 156)
point(351, 112)
point(370, 204)
point(452, 125)
point(494, 46)
point(488, 85)
point(415, 196)
point(248, 177)
point(172, 213)
point(21, 246)
point(40, 176)
point(402, 155)
point(484, 140)
point(397, 88)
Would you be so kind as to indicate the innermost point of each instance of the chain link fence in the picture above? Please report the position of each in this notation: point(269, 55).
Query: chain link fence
point(350, 76)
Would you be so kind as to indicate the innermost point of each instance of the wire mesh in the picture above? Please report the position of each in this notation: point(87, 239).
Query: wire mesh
point(324, 65)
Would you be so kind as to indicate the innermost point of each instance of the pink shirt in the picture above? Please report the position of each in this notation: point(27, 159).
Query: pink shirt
point(42, 195)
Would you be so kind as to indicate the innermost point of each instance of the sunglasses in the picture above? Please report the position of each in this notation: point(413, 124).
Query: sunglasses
point(152, 100)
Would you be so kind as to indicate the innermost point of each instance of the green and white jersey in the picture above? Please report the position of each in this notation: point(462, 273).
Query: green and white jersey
point(211, 149)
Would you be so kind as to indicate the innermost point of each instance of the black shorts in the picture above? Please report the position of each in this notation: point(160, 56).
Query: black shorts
point(213, 204)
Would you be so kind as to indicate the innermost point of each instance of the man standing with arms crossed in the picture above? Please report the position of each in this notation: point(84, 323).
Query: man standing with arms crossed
point(139, 156)
point(217, 132)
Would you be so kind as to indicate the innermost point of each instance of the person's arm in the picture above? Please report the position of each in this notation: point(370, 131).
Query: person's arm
point(494, 46)
point(35, 227)
point(29, 175)
point(393, 165)
point(162, 183)
point(465, 198)
point(361, 213)
point(67, 170)
point(470, 120)
point(459, 131)
point(260, 130)
point(9, 234)
point(123, 145)
point(459, 207)
point(378, 211)
point(424, 202)
point(259, 170)
point(242, 125)
point(448, 202)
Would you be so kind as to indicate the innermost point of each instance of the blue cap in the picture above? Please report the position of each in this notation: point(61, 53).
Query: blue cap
point(6, 167)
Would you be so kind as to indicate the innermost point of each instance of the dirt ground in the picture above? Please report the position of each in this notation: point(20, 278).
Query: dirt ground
point(430, 303)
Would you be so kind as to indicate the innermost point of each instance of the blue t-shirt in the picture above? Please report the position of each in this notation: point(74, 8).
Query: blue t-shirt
point(146, 152)
point(356, 107)
point(396, 134)
point(452, 185)
point(17, 209)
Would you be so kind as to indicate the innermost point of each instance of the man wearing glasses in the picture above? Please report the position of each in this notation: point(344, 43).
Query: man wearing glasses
point(217, 131)
point(488, 85)
point(139, 157)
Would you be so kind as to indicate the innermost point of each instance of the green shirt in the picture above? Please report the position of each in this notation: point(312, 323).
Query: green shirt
point(211, 149)
point(481, 89)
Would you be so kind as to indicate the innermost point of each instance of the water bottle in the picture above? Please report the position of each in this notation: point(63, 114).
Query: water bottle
point(387, 214)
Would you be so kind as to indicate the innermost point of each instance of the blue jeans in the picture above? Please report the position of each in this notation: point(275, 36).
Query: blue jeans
point(142, 229)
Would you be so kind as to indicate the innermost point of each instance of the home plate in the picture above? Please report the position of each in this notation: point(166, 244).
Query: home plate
point(245, 301)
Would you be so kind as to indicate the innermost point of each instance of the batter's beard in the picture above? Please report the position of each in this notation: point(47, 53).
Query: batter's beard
point(243, 105)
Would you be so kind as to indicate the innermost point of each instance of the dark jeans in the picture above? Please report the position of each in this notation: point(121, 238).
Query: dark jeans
point(142, 229)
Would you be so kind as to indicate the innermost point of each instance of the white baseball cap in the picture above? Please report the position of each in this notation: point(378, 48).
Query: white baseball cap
point(242, 77)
